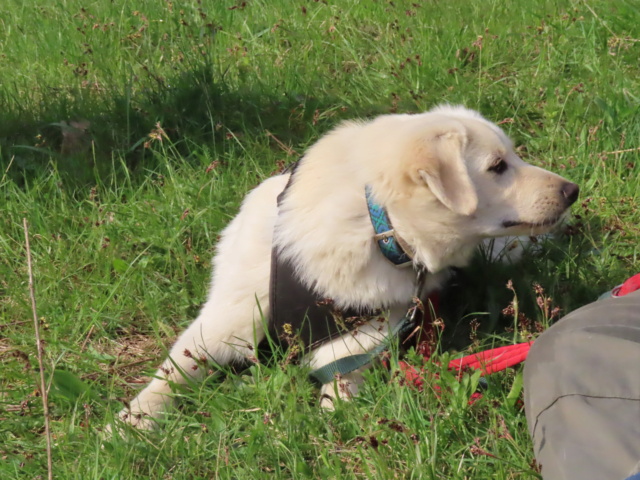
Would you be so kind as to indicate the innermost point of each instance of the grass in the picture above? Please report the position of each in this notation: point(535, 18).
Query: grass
point(180, 109)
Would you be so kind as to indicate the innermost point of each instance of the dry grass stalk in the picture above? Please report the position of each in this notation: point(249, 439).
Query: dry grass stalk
point(39, 348)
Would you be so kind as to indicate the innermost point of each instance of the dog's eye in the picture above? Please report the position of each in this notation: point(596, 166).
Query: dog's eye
point(499, 166)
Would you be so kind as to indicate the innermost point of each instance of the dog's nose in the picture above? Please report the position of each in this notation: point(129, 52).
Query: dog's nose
point(570, 192)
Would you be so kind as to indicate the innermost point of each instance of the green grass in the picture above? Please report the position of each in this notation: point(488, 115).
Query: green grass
point(124, 224)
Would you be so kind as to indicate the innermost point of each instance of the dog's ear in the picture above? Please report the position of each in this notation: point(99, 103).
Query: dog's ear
point(445, 173)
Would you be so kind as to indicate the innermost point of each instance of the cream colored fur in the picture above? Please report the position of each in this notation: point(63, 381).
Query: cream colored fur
point(431, 171)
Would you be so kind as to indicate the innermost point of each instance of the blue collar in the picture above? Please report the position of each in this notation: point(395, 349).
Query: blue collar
point(390, 244)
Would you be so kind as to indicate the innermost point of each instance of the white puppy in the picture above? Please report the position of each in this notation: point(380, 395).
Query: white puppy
point(447, 178)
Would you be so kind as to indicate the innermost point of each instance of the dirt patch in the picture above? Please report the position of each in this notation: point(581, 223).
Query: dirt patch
point(129, 356)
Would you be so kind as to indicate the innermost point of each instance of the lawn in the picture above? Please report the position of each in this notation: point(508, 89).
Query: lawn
point(131, 130)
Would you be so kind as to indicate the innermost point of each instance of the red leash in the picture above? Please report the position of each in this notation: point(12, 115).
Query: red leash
point(487, 361)
point(631, 285)
point(494, 360)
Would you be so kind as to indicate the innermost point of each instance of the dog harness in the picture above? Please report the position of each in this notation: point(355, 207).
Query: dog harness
point(298, 314)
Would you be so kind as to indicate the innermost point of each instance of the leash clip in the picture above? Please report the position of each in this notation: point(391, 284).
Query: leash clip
point(412, 312)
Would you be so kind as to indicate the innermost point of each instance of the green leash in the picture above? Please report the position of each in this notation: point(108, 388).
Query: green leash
point(342, 366)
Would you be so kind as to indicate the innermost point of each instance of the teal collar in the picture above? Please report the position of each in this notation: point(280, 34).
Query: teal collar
point(391, 245)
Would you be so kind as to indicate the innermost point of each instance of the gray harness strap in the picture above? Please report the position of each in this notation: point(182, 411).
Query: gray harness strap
point(299, 314)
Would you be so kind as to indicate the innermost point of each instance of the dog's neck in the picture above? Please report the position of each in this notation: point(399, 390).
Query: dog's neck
point(435, 244)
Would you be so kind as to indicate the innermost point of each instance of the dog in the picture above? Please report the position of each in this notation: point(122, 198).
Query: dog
point(448, 179)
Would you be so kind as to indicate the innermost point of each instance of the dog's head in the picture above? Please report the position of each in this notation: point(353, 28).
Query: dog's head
point(468, 166)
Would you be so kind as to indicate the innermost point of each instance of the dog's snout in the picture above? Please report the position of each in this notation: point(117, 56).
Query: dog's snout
point(570, 192)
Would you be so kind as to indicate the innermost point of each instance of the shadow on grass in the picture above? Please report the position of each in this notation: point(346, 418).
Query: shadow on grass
point(548, 273)
point(107, 132)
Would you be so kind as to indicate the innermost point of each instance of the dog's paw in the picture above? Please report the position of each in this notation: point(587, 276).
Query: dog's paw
point(327, 402)
point(128, 419)
point(343, 388)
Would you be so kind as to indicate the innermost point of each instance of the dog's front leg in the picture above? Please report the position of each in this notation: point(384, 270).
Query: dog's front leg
point(363, 339)
point(209, 342)
point(185, 362)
